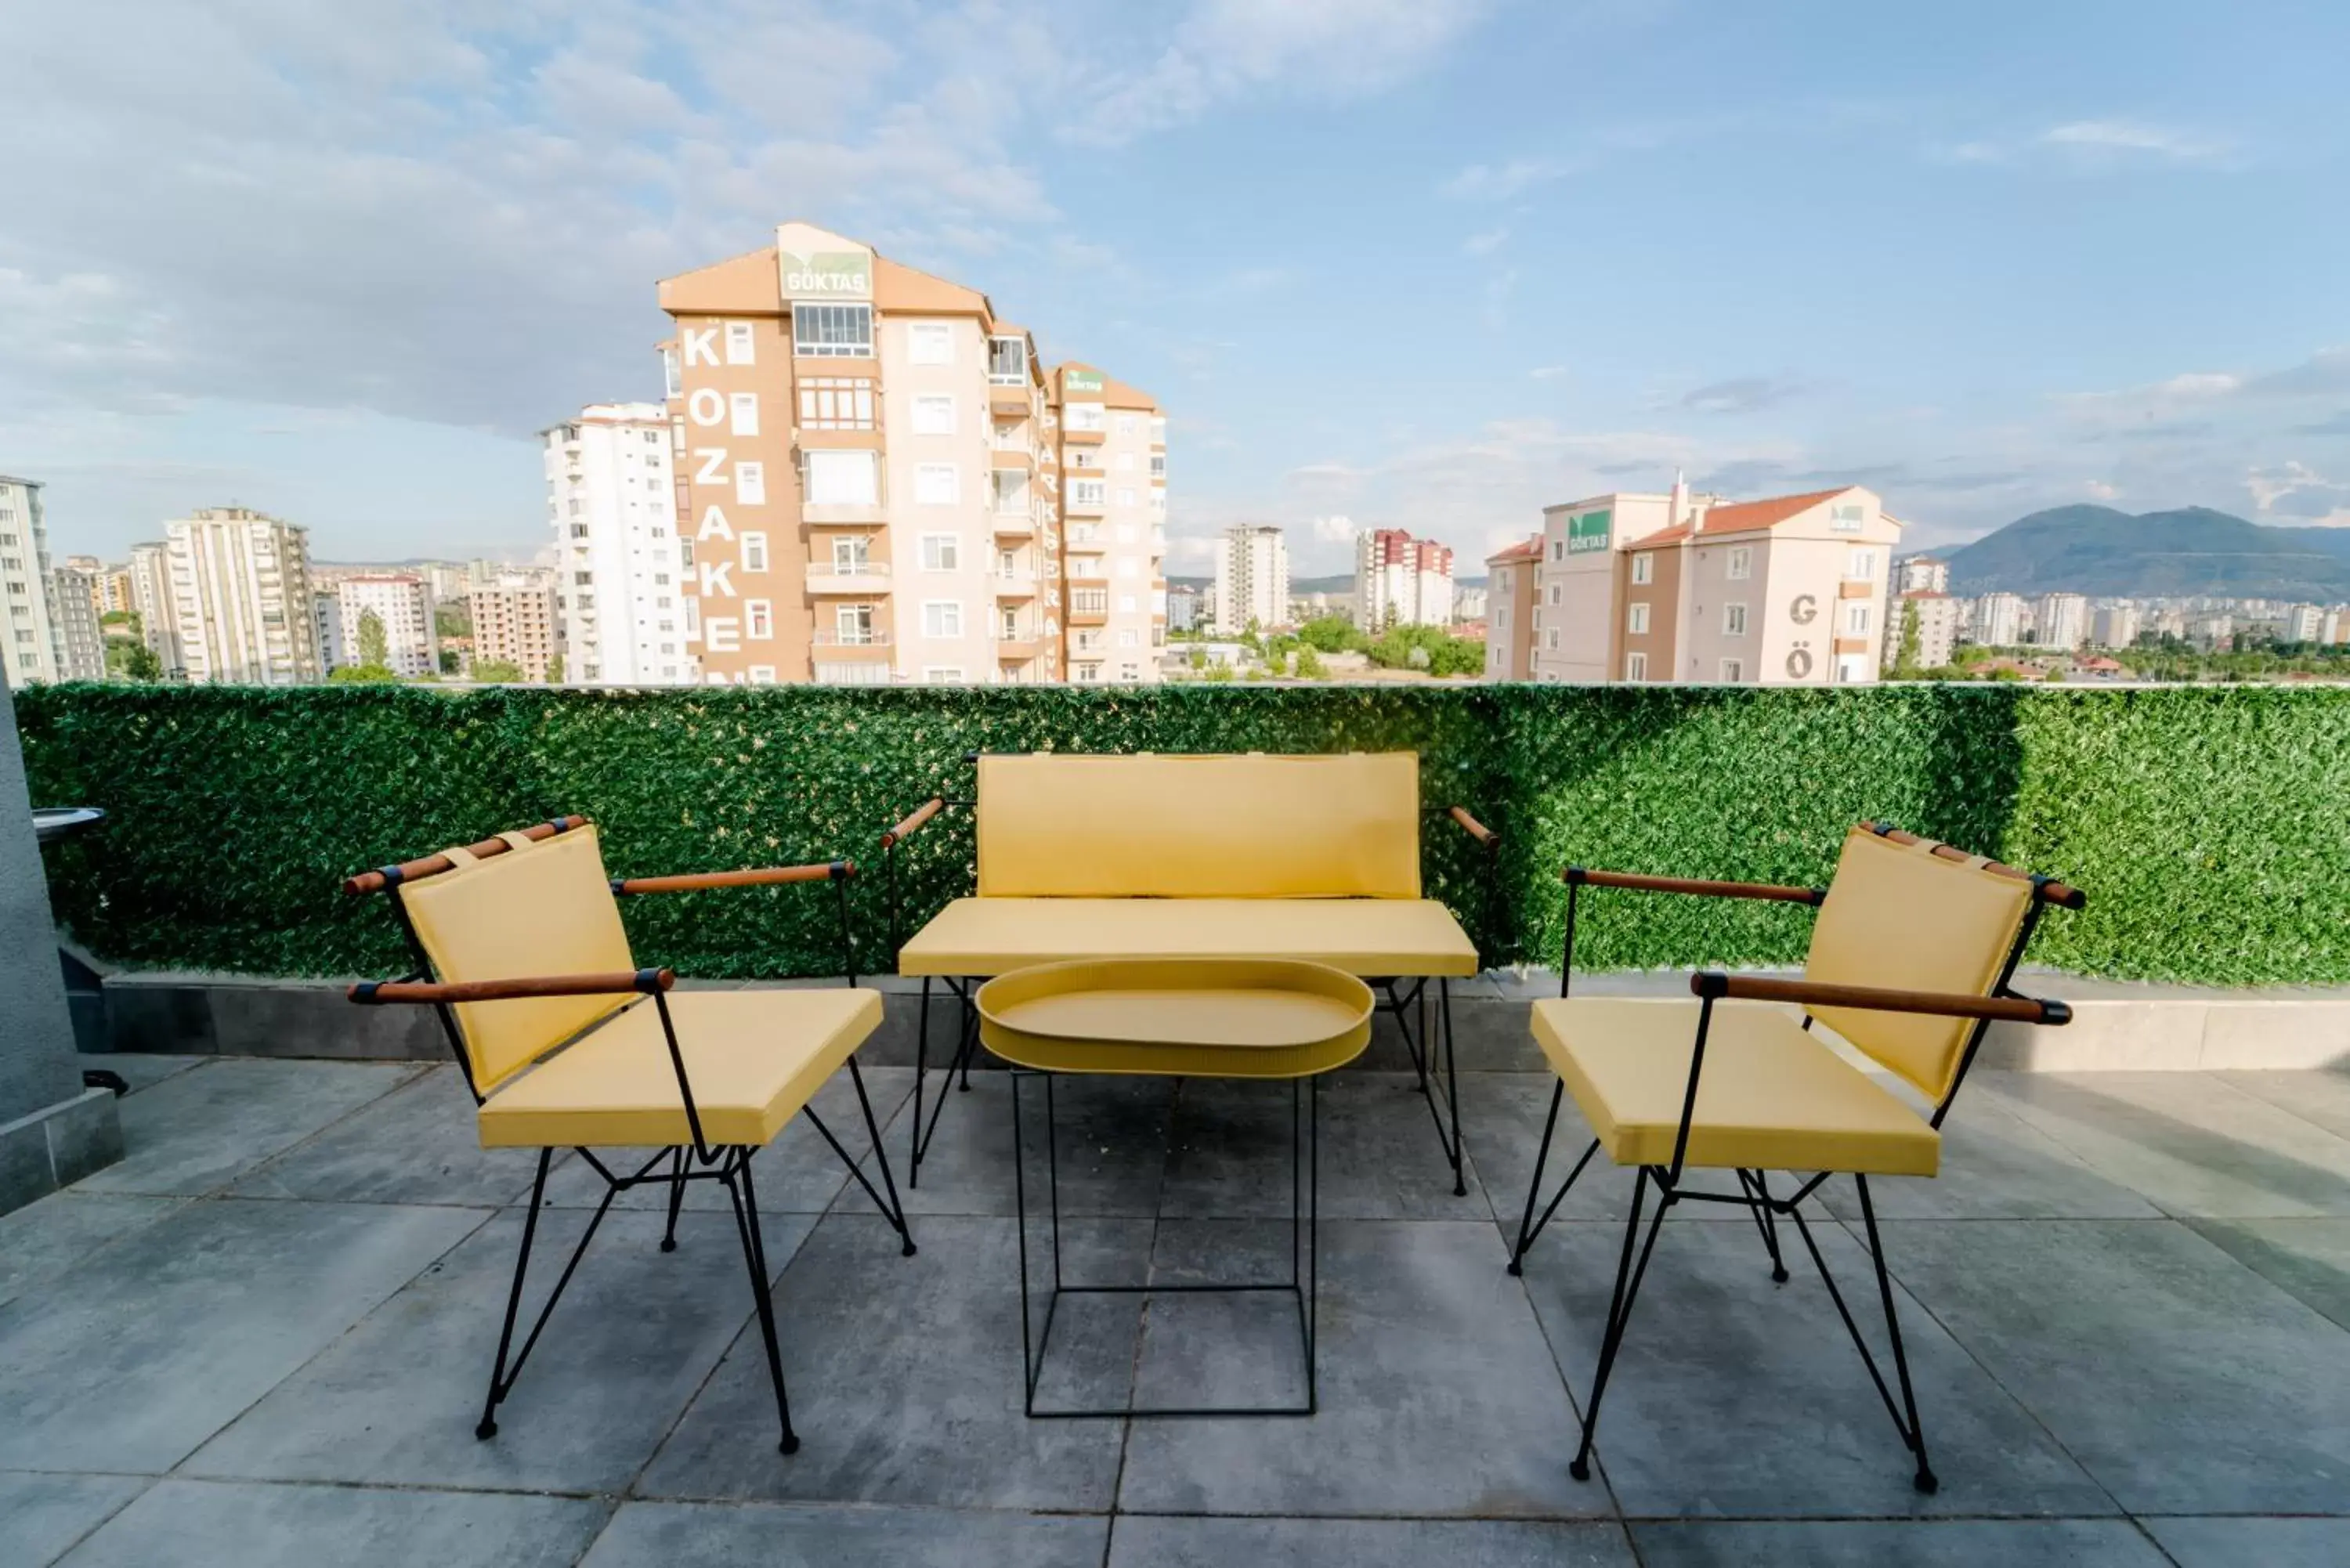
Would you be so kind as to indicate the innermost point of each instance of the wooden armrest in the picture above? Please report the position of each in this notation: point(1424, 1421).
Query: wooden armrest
point(433, 865)
point(1474, 829)
point(1585, 875)
point(1818, 993)
point(914, 819)
point(373, 992)
point(754, 876)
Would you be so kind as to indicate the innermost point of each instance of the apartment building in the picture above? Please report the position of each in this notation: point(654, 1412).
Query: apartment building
point(2060, 621)
point(514, 622)
point(151, 600)
point(74, 612)
point(1400, 581)
point(29, 650)
point(1682, 588)
point(2116, 625)
point(1252, 577)
point(881, 482)
point(1939, 620)
point(622, 557)
point(1113, 460)
point(1996, 620)
point(1510, 617)
point(240, 598)
point(401, 603)
point(1921, 574)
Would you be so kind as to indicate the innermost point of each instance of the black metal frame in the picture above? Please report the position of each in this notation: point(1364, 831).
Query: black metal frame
point(728, 1164)
point(1754, 1195)
point(965, 988)
point(1305, 1258)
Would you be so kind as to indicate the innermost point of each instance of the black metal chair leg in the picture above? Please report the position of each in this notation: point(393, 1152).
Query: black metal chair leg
point(1925, 1479)
point(1533, 1188)
point(1758, 1184)
point(488, 1427)
point(755, 1258)
point(922, 1065)
point(1453, 1091)
point(1619, 1313)
point(970, 1028)
point(676, 1198)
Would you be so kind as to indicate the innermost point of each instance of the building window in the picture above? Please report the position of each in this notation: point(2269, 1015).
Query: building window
point(751, 483)
point(941, 553)
point(841, 479)
point(1125, 638)
point(936, 484)
point(754, 552)
point(836, 403)
point(759, 619)
point(738, 343)
point(929, 343)
point(1638, 625)
point(1559, 549)
point(742, 408)
point(1010, 487)
point(1644, 569)
point(1084, 416)
point(942, 617)
point(941, 674)
point(1086, 491)
point(1740, 565)
point(1733, 620)
point(934, 415)
point(1733, 670)
point(1158, 465)
point(1007, 361)
point(672, 374)
point(832, 331)
point(848, 554)
point(1856, 618)
point(1635, 666)
point(853, 624)
point(1861, 565)
point(1553, 593)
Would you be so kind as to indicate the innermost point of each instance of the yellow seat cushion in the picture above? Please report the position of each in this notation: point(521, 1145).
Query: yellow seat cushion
point(754, 1058)
point(1771, 1097)
point(1367, 937)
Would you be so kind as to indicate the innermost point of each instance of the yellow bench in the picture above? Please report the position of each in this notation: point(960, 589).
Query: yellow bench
point(1147, 857)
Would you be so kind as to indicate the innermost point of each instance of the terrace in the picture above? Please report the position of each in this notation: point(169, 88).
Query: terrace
point(260, 1336)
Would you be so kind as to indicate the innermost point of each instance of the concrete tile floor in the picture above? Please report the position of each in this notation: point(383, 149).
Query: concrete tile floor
point(261, 1340)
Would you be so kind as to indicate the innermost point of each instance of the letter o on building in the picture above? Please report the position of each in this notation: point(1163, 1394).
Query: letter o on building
point(1798, 663)
point(707, 406)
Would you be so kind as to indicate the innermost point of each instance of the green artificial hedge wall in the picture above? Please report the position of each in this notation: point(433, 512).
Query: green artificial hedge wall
point(2210, 826)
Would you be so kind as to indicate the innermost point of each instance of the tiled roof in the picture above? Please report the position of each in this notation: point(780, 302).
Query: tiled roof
point(1529, 549)
point(1745, 518)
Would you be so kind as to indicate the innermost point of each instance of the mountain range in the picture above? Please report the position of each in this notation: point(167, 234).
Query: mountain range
point(2193, 551)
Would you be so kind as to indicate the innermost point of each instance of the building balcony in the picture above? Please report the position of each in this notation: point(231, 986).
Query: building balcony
point(1083, 438)
point(1855, 588)
point(1012, 459)
point(835, 644)
point(1010, 397)
point(1013, 585)
point(1088, 606)
point(866, 580)
point(1013, 524)
point(1017, 650)
point(1074, 505)
point(816, 514)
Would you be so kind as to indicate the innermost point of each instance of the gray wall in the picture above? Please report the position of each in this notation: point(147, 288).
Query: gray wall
point(36, 1062)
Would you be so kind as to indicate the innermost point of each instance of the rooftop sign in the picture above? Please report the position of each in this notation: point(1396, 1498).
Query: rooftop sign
point(1081, 382)
point(1589, 531)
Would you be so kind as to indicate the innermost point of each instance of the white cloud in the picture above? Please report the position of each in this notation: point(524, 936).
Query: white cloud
point(2126, 137)
point(1500, 182)
point(1334, 530)
point(1484, 245)
point(1547, 372)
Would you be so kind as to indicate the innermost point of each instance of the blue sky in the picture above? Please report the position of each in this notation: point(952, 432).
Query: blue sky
point(1385, 263)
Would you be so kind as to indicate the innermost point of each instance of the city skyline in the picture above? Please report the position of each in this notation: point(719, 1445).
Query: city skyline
point(2003, 332)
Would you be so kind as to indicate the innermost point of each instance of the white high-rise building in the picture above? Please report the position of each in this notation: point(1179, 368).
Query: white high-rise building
point(151, 600)
point(1252, 578)
point(620, 566)
point(73, 614)
point(1997, 621)
point(239, 582)
point(1401, 580)
point(29, 647)
point(2116, 625)
point(2061, 620)
point(403, 604)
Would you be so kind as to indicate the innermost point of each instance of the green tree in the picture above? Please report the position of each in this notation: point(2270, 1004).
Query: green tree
point(1333, 634)
point(1905, 658)
point(454, 619)
point(130, 660)
point(555, 670)
point(448, 661)
point(1218, 672)
point(362, 675)
point(375, 648)
point(498, 672)
point(1309, 664)
point(1198, 658)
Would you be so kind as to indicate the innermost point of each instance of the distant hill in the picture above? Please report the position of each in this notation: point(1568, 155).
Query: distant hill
point(2192, 551)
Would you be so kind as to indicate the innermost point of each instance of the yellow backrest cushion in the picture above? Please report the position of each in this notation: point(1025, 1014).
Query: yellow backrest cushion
point(546, 910)
point(1244, 826)
point(1899, 915)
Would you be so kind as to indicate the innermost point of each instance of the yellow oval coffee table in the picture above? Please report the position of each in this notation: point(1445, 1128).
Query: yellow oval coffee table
point(1181, 1018)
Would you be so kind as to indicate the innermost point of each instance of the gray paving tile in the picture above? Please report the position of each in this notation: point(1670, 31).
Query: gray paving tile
point(798, 1174)
point(139, 1069)
point(41, 1515)
point(1996, 1165)
point(1145, 1540)
point(905, 1383)
point(394, 1401)
point(205, 1525)
point(1439, 1396)
point(2308, 1258)
point(200, 1131)
point(45, 1238)
point(1231, 1151)
point(418, 1144)
point(1113, 1144)
point(721, 1535)
point(1734, 1396)
point(2191, 1142)
point(135, 1358)
point(2265, 1542)
point(2322, 1098)
point(2185, 1383)
point(1917, 1544)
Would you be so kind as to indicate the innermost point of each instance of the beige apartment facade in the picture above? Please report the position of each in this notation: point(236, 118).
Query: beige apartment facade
point(239, 585)
point(1112, 444)
point(1688, 588)
point(1511, 618)
point(515, 623)
point(870, 479)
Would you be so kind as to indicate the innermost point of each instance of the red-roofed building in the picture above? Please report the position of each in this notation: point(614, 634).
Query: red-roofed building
point(1682, 588)
point(1510, 581)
